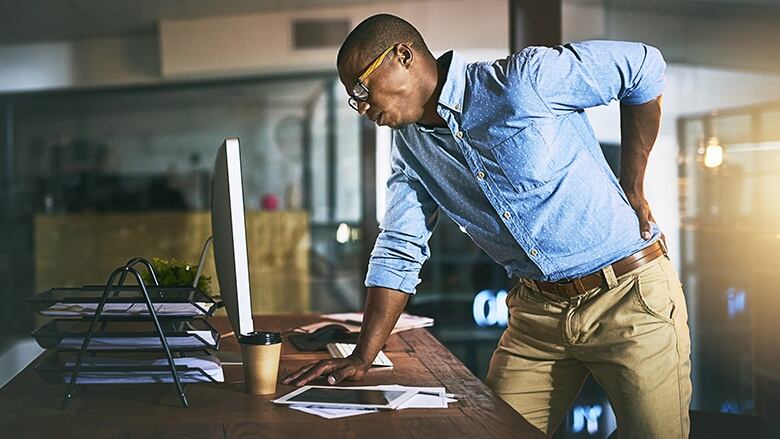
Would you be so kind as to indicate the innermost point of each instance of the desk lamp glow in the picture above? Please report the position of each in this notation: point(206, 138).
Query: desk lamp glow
point(229, 232)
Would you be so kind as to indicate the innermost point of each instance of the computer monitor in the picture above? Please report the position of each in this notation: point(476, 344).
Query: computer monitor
point(229, 233)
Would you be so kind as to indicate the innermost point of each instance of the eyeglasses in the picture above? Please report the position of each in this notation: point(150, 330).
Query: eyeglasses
point(359, 90)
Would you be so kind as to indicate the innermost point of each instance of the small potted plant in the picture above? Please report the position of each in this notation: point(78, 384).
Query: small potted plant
point(171, 272)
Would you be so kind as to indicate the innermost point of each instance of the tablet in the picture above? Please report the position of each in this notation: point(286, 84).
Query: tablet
point(346, 397)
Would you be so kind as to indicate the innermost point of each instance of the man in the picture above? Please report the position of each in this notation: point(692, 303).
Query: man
point(506, 151)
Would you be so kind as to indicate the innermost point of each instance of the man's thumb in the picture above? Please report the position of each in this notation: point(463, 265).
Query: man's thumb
point(642, 214)
point(644, 227)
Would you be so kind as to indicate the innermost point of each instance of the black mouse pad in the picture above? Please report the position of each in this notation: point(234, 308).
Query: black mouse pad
point(304, 342)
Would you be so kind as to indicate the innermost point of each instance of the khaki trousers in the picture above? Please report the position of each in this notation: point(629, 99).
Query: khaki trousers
point(632, 335)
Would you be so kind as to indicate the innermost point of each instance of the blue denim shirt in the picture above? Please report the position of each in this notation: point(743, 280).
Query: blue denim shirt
point(518, 166)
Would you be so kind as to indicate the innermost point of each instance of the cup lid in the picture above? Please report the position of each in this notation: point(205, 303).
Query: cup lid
point(260, 338)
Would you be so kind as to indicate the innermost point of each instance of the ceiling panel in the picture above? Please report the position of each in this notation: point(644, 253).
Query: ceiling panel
point(56, 20)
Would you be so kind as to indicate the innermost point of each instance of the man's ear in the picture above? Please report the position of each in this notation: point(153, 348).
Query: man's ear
point(404, 54)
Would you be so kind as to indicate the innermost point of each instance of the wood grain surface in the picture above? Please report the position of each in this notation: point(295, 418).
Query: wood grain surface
point(29, 408)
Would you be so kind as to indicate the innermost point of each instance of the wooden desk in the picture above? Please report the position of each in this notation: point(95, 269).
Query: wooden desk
point(30, 408)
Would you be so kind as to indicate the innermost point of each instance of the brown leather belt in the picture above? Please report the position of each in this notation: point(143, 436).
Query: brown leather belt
point(574, 287)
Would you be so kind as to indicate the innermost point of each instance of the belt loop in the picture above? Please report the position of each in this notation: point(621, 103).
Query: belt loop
point(578, 286)
point(609, 276)
point(663, 247)
point(530, 284)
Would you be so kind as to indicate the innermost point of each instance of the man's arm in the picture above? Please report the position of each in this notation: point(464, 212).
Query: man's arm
point(393, 273)
point(382, 309)
point(638, 130)
point(575, 76)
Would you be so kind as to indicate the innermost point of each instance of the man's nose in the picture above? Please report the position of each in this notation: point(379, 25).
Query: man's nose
point(363, 107)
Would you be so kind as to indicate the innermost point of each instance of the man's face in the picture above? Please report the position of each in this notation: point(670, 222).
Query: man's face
point(394, 98)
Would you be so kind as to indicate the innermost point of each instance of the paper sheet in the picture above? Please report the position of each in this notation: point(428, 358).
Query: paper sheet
point(332, 413)
point(89, 309)
point(424, 401)
point(139, 342)
point(343, 350)
point(352, 321)
point(210, 365)
point(405, 321)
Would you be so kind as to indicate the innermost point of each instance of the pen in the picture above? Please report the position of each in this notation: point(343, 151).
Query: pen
point(448, 395)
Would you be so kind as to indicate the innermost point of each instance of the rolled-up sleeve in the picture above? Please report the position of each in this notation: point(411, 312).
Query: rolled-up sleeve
point(581, 75)
point(402, 245)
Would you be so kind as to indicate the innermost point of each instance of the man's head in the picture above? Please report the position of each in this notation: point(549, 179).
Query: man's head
point(393, 90)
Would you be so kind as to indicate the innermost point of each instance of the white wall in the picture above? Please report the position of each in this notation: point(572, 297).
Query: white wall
point(264, 42)
point(113, 61)
point(230, 46)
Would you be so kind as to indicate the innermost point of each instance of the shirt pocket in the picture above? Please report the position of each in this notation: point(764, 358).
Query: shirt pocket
point(525, 159)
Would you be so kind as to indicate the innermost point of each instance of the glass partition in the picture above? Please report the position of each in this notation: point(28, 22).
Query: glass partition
point(730, 241)
point(133, 167)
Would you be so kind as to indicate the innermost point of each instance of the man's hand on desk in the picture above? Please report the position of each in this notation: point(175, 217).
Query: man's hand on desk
point(339, 369)
point(383, 307)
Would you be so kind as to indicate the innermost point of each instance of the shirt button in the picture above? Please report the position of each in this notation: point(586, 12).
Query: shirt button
point(507, 215)
point(534, 252)
point(481, 175)
point(459, 134)
point(457, 106)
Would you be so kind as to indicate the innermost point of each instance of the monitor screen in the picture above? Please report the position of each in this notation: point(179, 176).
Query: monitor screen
point(347, 396)
point(229, 232)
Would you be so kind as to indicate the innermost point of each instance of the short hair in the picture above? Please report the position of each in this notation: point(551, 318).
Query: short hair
point(378, 32)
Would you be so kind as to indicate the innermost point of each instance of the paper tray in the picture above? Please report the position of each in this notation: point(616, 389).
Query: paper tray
point(181, 335)
point(57, 368)
point(124, 302)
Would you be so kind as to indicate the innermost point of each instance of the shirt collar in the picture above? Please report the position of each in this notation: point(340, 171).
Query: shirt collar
point(454, 86)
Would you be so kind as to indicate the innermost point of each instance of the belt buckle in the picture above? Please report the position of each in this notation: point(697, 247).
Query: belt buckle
point(579, 288)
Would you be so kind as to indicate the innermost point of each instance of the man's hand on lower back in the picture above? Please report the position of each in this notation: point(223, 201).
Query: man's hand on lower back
point(643, 213)
point(639, 126)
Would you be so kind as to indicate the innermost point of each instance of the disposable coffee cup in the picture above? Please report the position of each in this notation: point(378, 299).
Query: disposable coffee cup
point(260, 352)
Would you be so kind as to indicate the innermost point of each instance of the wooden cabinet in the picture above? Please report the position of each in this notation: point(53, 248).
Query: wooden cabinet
point(83, 248)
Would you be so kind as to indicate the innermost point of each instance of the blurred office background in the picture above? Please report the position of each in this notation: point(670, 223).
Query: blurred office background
point(111, 114)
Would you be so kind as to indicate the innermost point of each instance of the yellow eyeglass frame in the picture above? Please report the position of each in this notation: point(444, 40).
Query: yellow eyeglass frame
point(359, 90)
